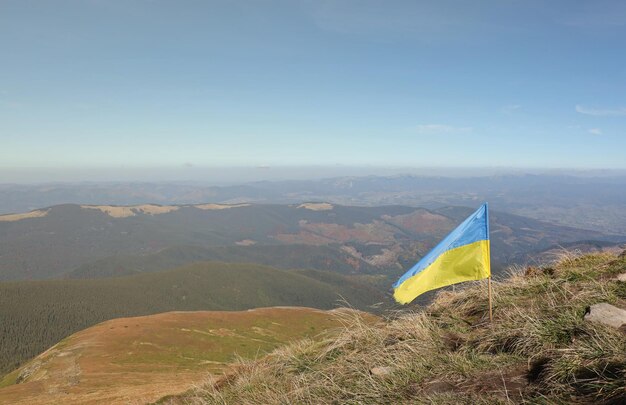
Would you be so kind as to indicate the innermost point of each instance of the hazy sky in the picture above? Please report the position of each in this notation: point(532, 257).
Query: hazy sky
point(103, 83)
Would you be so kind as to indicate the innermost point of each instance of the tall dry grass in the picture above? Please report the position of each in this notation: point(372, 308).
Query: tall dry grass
point(538, 349)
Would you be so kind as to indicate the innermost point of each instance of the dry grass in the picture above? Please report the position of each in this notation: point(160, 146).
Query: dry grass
point(245, 242)
point(219, 206)
point(131, 211)
point(538, 349)
point(141, 359)
point(316, 206)
point(26, 215)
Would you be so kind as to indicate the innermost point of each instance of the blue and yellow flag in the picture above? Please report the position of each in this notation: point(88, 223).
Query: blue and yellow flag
point(463, 255)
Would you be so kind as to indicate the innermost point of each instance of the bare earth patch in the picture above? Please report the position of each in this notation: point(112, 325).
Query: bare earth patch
point(245, 242)
point(219, 206)
point(131, 211)
point(17, 217)
point(316, 206)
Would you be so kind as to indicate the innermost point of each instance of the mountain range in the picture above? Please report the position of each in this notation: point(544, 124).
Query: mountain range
point(588, 200)
point(67, 267)
point(79, 241)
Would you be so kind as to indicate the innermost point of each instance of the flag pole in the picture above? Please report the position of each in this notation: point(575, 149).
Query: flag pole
point(489, 261)
point(490, 304)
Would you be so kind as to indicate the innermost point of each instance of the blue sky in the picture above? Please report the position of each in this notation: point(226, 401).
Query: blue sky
point(97, 83)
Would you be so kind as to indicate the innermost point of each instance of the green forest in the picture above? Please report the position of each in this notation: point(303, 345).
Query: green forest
point(35, 315)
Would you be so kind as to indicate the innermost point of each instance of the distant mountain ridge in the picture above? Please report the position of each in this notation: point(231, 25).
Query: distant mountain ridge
point(596, 201)
point(365, 239)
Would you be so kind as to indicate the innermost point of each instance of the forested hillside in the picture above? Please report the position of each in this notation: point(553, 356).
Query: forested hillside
point(281, 256)
point(48, 243)
point(36, 314)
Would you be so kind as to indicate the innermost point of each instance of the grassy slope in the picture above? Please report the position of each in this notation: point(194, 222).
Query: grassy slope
point(538, 349)
point(140, 359)
point(37, 314)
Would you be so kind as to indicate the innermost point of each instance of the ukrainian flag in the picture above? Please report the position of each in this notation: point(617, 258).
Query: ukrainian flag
point(462, 256)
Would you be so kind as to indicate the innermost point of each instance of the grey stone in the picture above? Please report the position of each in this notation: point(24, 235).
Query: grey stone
point(381, 371)
point(606, 314)
point(621, 277)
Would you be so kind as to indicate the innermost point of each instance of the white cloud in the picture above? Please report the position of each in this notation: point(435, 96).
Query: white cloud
point(601, 112)
point(595, 131)
point(431, 129)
